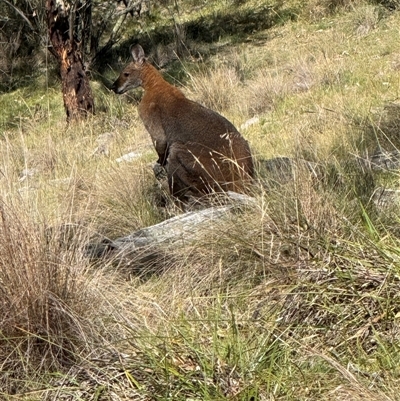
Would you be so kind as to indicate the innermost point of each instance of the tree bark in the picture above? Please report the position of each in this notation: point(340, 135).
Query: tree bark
point(61, 20)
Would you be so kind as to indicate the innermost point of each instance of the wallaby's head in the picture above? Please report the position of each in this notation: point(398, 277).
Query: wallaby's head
point(131, 76)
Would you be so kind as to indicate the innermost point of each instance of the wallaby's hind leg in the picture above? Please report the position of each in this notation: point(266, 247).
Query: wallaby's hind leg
point(185, 172)
point(196, 170)
point(201, 170)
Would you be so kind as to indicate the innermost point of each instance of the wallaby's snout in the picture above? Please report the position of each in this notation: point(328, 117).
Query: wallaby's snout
point(128, 79)
point(200, 149)
point(114, 87)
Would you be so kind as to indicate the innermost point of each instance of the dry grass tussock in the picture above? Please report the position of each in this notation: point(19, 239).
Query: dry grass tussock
point(47, 292)
point(217, 88)
point(59, 312)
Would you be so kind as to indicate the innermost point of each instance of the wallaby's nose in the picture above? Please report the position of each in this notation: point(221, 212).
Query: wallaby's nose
point(114, 87)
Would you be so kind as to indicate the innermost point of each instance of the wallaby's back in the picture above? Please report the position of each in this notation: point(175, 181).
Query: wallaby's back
point(201, 150)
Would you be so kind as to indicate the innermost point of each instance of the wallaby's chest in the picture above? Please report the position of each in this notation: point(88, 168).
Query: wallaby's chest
point(177, 118)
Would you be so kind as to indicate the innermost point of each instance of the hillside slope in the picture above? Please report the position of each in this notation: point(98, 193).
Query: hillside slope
point(293, 297)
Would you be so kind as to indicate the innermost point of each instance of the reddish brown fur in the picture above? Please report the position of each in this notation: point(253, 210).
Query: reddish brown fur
point(200, 150)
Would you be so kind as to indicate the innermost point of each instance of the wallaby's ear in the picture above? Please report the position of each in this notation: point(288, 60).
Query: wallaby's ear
point(137, 54)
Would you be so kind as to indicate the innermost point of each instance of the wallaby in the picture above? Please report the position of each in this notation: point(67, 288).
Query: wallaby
point(200, 150)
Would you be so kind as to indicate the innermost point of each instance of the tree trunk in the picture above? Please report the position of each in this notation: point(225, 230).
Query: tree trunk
point(61, 20)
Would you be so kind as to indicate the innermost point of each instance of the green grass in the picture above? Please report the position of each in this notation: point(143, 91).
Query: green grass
point(293, 297)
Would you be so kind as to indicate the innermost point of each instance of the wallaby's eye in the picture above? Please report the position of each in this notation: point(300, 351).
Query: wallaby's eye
point(126, 74)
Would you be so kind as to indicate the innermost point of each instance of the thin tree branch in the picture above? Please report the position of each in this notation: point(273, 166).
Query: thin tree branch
point(20, 13)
